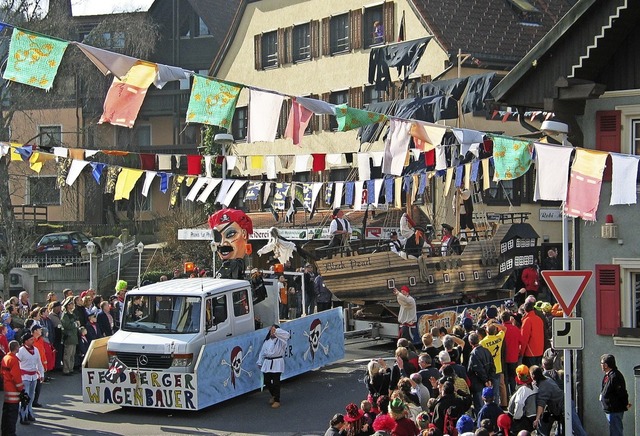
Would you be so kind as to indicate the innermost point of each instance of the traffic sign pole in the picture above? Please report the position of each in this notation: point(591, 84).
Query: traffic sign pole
point(567, 287)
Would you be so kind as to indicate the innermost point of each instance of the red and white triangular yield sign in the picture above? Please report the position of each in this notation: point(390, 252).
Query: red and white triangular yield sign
point(567, 286)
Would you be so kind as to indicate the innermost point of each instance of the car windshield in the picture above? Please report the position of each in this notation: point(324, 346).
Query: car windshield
point(161, 314)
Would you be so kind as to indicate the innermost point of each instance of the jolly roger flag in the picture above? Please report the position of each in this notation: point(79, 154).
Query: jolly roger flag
point(116, 367)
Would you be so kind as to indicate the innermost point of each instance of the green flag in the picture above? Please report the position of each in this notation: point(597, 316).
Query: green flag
point(511, 157)
point(212, 102)
point(33, 59)
point(351, 118)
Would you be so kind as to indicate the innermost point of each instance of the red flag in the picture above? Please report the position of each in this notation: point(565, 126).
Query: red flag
point(401, 32)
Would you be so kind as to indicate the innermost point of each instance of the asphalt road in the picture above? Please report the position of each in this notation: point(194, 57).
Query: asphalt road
point(308, 402)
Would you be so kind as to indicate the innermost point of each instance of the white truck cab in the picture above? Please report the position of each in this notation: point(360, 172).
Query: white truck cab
point(164, 325)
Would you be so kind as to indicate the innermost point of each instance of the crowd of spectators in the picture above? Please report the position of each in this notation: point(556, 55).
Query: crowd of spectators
point(497, 374)
point(49, 337)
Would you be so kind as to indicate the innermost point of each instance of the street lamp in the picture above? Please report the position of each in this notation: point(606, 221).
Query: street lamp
point(224, 139)
point(119, 249)
point(91, 248)
point(214, 249)
point(140, 249)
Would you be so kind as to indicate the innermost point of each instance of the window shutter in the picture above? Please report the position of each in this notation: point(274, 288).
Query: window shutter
point(313, 124)
point(315, 39)
point(355, 97)
point(288, 41)
point(388, 13)
point(608, 136)
point(326, 36)
point(325, 118)
point(607, 299)
point(257, 50)
point(282, 48)
point(356, 29)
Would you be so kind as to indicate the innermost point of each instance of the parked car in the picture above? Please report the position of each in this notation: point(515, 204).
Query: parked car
point(64, 244)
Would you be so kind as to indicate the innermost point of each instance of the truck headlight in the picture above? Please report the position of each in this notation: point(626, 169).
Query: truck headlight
point(182, 359)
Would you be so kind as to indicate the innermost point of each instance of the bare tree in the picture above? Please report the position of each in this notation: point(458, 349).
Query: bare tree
point(78, 84)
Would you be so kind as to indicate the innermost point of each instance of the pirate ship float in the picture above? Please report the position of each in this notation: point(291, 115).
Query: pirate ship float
point(364, 275)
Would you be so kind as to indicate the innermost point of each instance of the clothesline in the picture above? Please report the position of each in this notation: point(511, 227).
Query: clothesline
point(142, 73)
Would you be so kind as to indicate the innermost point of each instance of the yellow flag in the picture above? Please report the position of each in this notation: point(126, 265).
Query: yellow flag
point(126, 181)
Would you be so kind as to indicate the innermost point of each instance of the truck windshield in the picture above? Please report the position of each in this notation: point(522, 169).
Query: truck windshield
point(161, 314)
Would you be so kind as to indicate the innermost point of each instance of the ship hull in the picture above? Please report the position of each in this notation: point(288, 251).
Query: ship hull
point(482, 267)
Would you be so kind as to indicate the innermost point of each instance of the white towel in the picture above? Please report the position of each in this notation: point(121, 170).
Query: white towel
point(224, 189)
point(212, 183)
point(317, 106)
point(441, 158)
point(469, 140)
point(270, 164)
point(337, 194)
point(377, 187)
point(302, 163)
point(60, 151)
point(396, 146)
point(357, 201)
point(164, 162)
point(207, 165)
point(377, 157)
point(264, 114)
point(193, 193)
point(231, 162)
point(315, 190)
point(148, 180)
point(333, 159)
point(552, 172)
point(76, 168)
point(623, 179)
point(364, 167)
point(237, 184)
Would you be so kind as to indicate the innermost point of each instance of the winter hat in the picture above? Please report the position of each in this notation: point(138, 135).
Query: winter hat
point(6, 316)
point(353, 413)
point(384, 423)
point(523, 376)
point(465, 424)
point(509, 304)
point(121, 285)
point(504, 422)
point(405, 288)
point(397, 406)
point(26, 337)
point(487, 392)
point(546, 307)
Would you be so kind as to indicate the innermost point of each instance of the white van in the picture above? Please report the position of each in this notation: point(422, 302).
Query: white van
point(165, 325)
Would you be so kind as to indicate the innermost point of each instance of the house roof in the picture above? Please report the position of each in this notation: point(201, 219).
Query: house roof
point(495, 33)
point(589, 46)
point(222, 17)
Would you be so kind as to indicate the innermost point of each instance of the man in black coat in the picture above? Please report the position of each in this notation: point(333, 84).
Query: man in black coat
point(105, 319)
point(614, 396)
point(480, 370)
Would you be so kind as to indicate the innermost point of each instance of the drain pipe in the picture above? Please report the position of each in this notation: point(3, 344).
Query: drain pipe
point(523, 123)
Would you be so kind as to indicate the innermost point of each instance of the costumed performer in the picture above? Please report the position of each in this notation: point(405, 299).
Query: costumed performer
point(231, 230)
